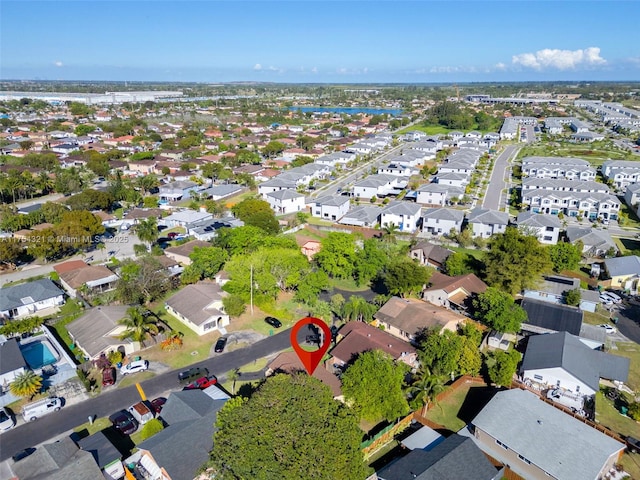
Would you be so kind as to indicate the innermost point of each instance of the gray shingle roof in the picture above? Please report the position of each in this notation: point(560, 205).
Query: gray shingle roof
point(11, 358)
point(91, 329)
point(551, 316)
point(285, 194)
point(549, 438)
point(101, 448)
point(457, 458)
point(27, 293)
point(401, 208)
point(486, 217)
point(193, 301)
point(443, 214)
point(591, 238)
point(538, 220)
point(621, 266)
point(568, 352)
point(330, 200)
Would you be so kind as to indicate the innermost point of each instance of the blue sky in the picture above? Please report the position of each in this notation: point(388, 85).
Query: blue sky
point(330, 41)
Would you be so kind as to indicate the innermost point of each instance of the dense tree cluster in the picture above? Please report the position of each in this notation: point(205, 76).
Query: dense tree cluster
point(498, 310)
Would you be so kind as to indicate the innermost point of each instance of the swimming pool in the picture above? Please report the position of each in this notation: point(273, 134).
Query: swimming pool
point(38, 354)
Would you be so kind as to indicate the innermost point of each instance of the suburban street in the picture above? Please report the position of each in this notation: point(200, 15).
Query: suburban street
point(54, 424)
point(493, 197)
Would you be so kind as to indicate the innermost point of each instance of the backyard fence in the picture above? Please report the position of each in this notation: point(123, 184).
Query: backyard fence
point(384, 436)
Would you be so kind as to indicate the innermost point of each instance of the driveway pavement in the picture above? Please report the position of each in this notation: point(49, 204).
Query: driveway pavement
point(55, 424)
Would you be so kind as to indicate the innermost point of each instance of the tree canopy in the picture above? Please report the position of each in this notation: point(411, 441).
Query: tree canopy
point(205, 263)
point(258, 213)
point(502, 366)
point(337, 255)
point(290, 428)
point(403, 276)
point(372, 386)
point(498, 310)
point(515, 261)
point(565, 256)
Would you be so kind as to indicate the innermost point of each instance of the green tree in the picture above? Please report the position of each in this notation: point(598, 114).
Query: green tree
point(147, 230)
point(257, 213)
point(565, 256)
point(502, 366)
point(498, 310)
point(10, 250)
point(458, 263)
point(303, 426)
point(358, 309)
point(27, 384)
point(205, 263)
point(424, 389)
point(234, 305)
point(440, 352)
point(138, 326)
point(273, 149)
point(372, 386)
point(311, 286)
point(141, 281)
point(337, 255)
point(370, 260)
point(573, 297)
point(84, 129)
point(515, 261)
point(150, 428)
point(403, 276)
point(389, 232)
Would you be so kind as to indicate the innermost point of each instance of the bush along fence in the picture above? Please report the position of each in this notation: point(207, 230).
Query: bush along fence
point(385, 436)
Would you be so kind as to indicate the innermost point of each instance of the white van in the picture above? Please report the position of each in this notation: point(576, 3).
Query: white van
point(613, 296)
point(37, 409)
point(141, 412)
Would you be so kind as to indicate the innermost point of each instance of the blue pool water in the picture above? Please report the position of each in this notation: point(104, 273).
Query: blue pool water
point(37, 355)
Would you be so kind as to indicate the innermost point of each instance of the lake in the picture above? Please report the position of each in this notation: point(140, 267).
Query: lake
point(350, 110)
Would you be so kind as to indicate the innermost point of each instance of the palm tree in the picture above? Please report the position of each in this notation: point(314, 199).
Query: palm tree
point(357, 308)
point(147, 230)
point(426, 388)
point(389, 232)
point(138, 326)
point(146, 183)
point(233, 376)
point(26, 384)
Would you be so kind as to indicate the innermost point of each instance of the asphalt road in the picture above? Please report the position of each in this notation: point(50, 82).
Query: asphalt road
point(57, 423)
point(493, 195)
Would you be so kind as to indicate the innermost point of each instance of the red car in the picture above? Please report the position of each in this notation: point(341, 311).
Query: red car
point(172, 235)
point(202, 383)
point(158, 403)
point(108, 376)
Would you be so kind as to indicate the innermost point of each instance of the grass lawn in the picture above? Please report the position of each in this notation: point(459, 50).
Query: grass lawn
point(347, 284)
point(256, 366)
point(99, 424)
point(135, 378)
point(458, 409)
point(608, 416)
point(631, 464)
point(594, 153)
point(285, 310)
point(630, 350)
point(378, 454)
point(597, 317)
point(632, 222)
point(477, 254)
point(118, 213)
point(68, 313)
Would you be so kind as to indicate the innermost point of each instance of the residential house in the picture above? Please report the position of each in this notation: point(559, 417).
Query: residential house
point(329, 207)
point(537, 441)
point(98, 331)
point(485, 222)
point(595, 242)
point(277, 183)
point(169, 265)
point(178, 451)
point(587, 137)
point(453, 292)
point(143, 167)
point(362, 216)
point(438, 194)
point(621, 173)
point(632, 196)
point(60, 460)
point(136, 215)
point(378, 185)
point(405, 318)
point(441, 221)
point(185, 218)
point(404, 215)
point(546, 228)
point(199, 307)
point(12, 363)
point(180, 253)
point(397, 169)
point(309, 247)
point(429, 254)
point(29, 298)
point(105, 454)
point(546, 317)
point(456, 458)
point(76, 273)
point(288, 362)
point(178, 190)
point(207, 230)
point(558, 167)
point(624, 272)
point(453, 179)
point(355, 338)
point(554, 288)
point(283, 202)
point(561, 360)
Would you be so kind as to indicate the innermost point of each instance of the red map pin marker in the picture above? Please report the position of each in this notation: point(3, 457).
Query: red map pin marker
point(311, 360)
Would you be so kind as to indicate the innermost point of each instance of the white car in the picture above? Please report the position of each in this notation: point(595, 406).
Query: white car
point(614, 298)
point(6, 420)
point(608, 328)
point(134, 367)
point(605, 299)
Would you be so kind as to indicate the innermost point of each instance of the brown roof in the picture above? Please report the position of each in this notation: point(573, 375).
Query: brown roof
point(360, 337)
point(144, 213)
point(69, 266)
point(471, 283)
point(436, 253)
point(288, 362)
point(104, 216)
point(411, 315)
point(187, 248)
point(165, 261)
point(42, 226)
point(192, 301)
point(90, 273)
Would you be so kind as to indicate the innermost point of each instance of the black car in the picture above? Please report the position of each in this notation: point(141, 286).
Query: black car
point(633, 444)
point(124, 422)
point(23, 454)
point(313, 338)
point(274, 322)
point(220, 344)
point(193, 373)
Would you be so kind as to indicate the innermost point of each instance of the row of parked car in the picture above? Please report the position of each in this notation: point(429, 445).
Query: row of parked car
point(610, 298)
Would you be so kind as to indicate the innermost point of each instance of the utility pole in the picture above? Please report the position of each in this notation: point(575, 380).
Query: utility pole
point(251, 290)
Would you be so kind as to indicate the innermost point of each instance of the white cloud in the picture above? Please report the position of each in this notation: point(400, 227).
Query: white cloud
point(257, 66)
point(560, 59)
point(500, 66)
point(58, 63)
point(314, 70)
point(352, 71)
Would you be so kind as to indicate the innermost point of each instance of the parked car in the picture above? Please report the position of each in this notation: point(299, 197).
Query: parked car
point(220, 344)
point(124, 422)
point(134, 367)
point(606, 300)
point(615, 298)
point(608, 328)
point(274, 322)
point(172, 235)
point(313, 338)
point(7, 420)
point(633, 444)
point(190, 375)
point(158, 403)
point(34, 410)
point(23, 454)
point(108, 376)
point(202, 383)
